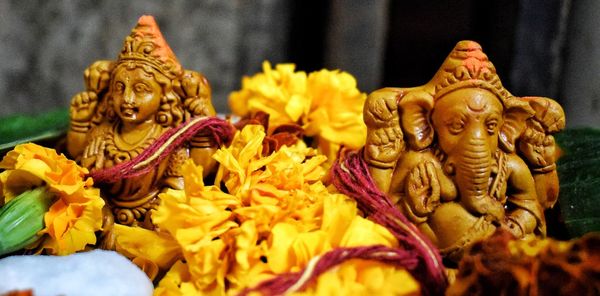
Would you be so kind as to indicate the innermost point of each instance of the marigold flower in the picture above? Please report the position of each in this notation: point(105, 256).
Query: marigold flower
point(176, 282)
point(196, 217)
point(275, 217)
point(149, 249)
point(504, 265)
point(335, 116)
point(280, 92)
point(327, 104)
point(360, 277)
point(76, 215)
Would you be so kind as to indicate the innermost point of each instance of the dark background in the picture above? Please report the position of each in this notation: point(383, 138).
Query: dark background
point(544, 48)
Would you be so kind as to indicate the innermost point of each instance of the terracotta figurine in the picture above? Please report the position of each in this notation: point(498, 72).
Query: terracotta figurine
point(127, 105)
point(461, 155)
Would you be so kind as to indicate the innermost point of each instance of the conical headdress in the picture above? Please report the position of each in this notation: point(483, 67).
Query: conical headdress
point(466, 67)
point(146, 44)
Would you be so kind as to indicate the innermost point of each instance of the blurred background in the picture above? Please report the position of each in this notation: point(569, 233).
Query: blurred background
point(540, 47)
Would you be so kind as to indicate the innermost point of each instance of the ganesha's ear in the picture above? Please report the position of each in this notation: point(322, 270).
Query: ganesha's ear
point(516, 113)
point(416, 108)
point(548, 113)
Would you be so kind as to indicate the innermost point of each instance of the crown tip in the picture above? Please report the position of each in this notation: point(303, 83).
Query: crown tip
point(146, 20)
point(468, 45)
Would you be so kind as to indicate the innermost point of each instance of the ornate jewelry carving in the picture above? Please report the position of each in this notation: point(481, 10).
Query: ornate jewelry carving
point(116, 150)
point(132, 213)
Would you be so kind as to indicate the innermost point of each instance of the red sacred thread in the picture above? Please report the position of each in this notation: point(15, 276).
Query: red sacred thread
point(351, 176)
point(220, 130)
point(290, 282)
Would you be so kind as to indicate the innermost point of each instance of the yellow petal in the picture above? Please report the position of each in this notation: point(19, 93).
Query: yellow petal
point(363, 232)
point(136, 242)
point(338, 213)
point(176, 282)
point(309, 244)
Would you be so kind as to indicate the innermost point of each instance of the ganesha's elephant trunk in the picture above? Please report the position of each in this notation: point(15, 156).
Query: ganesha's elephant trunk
point(473, 166)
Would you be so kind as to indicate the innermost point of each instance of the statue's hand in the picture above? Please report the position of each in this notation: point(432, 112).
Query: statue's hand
point(107, 237)
point(381, 111)
point(538, 148)
point(195, 90)
point(97, 76)
point(512, 227)
point(83, 106)
point(192, 84)
point(384, 144)
point(423, 189)
point(493, 209)
point(197, 106)
point(93, 154)
point(384, 136)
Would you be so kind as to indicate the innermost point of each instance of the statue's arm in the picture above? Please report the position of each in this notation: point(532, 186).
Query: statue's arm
point(538, 147)
point(526, 211)
point(84, 106)
point(195, 91)
point(385, 142)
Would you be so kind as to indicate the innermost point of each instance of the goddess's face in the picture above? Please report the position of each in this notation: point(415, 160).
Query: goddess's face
point(136, 95)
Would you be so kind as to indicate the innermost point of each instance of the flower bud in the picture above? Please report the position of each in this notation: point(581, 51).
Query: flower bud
point(22, 218)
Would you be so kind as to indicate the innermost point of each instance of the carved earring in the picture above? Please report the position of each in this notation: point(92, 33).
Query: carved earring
point(110, 111)
point(163, 116)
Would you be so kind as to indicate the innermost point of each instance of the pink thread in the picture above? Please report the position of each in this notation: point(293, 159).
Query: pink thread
point(219, 129)
point(352, 177)
point(282, 282)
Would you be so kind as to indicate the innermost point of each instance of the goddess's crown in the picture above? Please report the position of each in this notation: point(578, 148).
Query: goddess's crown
point(146, 44)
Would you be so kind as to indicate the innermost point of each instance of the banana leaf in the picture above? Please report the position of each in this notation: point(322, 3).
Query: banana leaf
point(579, 175)
point(47, 127)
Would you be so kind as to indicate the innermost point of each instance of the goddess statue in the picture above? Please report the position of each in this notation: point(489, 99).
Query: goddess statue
point(127, 105)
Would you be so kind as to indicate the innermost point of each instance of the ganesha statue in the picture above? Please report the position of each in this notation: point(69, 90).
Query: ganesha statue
point(127, 105)
point(461, 156)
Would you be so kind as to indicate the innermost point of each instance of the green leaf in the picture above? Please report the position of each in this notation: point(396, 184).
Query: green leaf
point(579, 175)
point(18, 129)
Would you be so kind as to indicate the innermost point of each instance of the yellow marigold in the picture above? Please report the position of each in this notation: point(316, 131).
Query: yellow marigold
point(531, 246)
point(177, 282)
point(327, 104)
point(196, 217)
point(341, 227)
point(281, 92)
point(360, 277)
point(150, 250)
point(75, 216)
point(243, 166)
point(335, 116)
point(276, 217)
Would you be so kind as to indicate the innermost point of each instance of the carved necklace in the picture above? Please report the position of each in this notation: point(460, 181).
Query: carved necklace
point(117, 148)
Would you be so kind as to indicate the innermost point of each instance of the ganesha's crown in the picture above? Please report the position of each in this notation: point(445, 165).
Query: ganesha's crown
point(468, 66)
point(146, 44)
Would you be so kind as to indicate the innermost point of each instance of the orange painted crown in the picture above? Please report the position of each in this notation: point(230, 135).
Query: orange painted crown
point(468, 66)
point(146, 44)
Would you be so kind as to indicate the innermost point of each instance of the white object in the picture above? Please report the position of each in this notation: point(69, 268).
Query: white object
point(91, 273)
